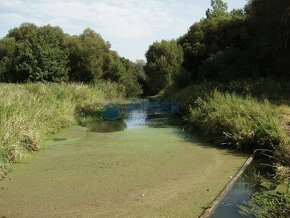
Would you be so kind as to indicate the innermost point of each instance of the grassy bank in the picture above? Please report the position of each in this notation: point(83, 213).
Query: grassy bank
point(238, 119)
point(30, 112)
point(239, 122)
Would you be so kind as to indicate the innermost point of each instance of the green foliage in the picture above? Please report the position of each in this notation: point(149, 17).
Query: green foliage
point(227, 65)
point(187, 97)
point(87, 56)
point(228, 57)
point(130, 78)
point(164, 59)
point(273, 90)
point(140, 72)
point(7, 49)
point(219, 8)
point(257, 39)
point(272, 198)
point(24, 32)
point(237, 118)
point(32, 54)
point(117, 71)
point(211, 37)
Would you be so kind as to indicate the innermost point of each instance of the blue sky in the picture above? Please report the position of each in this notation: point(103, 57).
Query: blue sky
point(130, 25)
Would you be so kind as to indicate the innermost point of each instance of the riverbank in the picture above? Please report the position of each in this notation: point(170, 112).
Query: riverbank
point(243, 116)
point(31, 112)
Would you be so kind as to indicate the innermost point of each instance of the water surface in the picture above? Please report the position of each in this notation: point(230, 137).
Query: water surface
point(124, 168)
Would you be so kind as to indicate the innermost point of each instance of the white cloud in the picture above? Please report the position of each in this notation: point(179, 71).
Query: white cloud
point(125, 18)
point(138, 21)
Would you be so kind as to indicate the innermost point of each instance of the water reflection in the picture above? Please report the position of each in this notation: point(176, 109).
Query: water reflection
point(131, 119)
point(247, 185)
point(136, 119)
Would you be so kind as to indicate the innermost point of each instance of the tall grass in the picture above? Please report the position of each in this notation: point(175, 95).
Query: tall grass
point(29, 112)
point(239, 122)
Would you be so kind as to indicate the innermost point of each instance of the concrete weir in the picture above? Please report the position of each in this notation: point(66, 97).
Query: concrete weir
point(210, 211)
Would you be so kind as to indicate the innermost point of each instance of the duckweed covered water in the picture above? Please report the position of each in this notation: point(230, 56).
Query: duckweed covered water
point(139, 172)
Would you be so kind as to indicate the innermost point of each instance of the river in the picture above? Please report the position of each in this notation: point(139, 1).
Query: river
point(133, 167)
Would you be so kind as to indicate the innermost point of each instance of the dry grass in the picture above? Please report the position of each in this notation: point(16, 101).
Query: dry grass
point(30, 112)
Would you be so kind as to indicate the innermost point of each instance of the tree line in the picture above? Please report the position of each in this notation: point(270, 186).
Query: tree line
point(46, 54)
point(249, 43)
point(225, 45)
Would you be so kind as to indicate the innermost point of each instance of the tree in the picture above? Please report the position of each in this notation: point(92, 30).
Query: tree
point(209, 37)
point(117, 71)
point(269, 26)
point(163, 60)
point(22, 33)
point(47, 54)
point(219, 8)
point(87, 56)
point(140, 64)
point(141, 77)
point(37, 55)
point(7, 50)
point(131, 79)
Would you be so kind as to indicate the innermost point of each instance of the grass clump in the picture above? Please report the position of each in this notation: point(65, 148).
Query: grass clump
point(29, 112)
point(240, 122)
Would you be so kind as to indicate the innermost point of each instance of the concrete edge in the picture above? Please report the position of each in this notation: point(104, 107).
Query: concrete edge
point(209, 212)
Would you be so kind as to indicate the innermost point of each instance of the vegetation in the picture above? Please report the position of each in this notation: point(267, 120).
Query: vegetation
point(163, 60)
point(239, 122)
point(30, 112)
point(46, 54)
point(274, 201)
point(234, 64)
point(228, 72)
point(241, 44)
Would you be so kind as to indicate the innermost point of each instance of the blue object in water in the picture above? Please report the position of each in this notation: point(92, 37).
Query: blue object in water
point(112, 112)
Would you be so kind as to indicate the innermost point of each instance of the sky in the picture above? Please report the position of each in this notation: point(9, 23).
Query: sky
point(129, 25)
